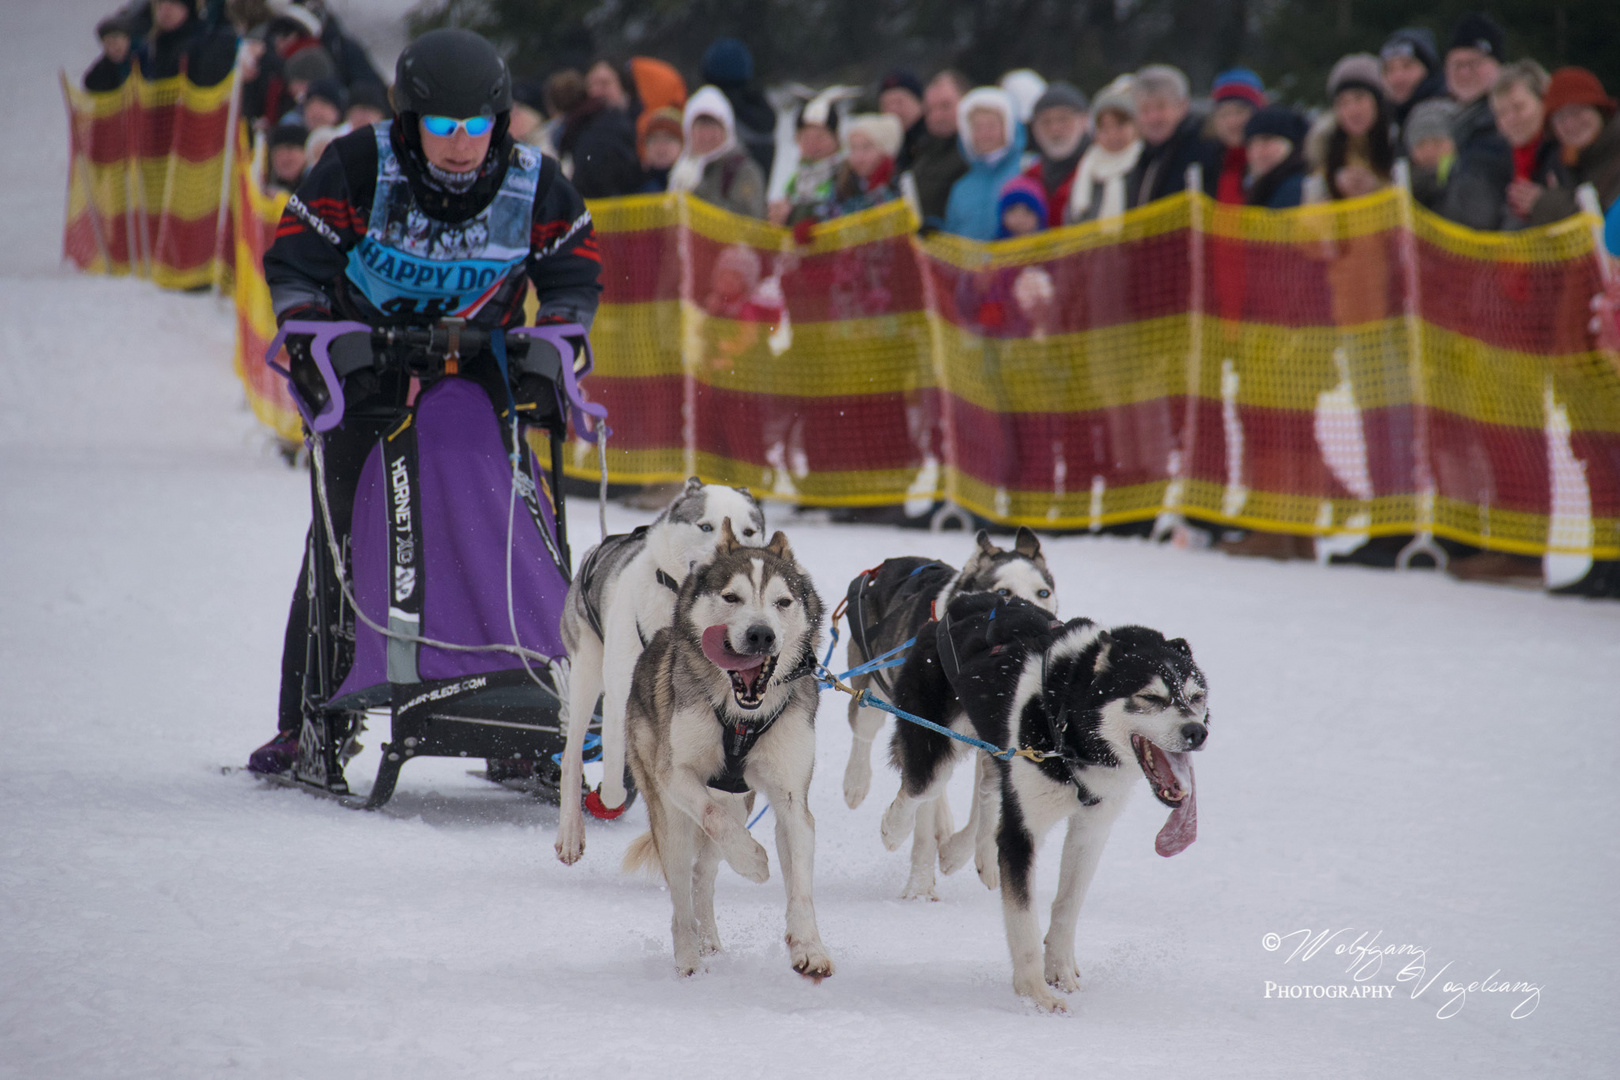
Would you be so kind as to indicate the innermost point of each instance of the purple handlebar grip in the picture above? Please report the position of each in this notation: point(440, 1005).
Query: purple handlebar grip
point(558, 335)
point(323, 332)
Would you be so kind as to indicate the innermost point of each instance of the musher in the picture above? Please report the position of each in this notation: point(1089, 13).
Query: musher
point(437, 214)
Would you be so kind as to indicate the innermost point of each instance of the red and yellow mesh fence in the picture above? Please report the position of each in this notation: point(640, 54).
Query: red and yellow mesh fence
point(1360, 367)
point(256, 215)
point(145, 179)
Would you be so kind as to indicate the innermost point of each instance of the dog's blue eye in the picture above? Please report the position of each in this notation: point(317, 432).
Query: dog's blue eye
point(1003, 592)
point(1044, 593)
point(704, 526)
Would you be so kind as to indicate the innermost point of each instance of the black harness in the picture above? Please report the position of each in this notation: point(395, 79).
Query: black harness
point(736, 740)
point(1057, 725)
point(586, 579)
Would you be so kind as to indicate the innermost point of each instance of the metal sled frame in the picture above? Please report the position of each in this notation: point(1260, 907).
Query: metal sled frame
point(498, 715)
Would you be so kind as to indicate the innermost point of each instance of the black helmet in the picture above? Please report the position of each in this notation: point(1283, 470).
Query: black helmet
point(454, 73)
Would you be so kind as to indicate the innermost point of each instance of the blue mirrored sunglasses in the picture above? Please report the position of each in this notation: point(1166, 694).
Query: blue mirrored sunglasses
point(444, 127)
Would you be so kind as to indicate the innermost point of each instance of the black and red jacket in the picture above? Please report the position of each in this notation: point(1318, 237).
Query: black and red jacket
point(307, 267)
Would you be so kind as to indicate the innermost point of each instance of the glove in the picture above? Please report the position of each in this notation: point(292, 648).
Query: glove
point(536, 380)
point(306, 377)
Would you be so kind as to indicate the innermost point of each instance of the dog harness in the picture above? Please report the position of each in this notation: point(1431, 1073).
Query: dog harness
point(736, 740)
point(587, 577)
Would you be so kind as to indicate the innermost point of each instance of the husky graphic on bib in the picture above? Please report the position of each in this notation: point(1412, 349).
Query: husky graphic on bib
point(411, 264)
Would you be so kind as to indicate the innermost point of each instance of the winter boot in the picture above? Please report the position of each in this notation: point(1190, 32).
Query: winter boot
point(277, 756)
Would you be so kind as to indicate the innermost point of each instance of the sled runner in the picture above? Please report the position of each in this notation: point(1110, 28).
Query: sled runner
point(458, 562)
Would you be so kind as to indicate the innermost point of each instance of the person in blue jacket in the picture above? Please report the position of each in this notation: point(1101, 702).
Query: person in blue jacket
point(992, 142)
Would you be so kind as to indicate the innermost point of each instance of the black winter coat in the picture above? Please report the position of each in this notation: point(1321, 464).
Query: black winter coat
point(328, 215)
point(602, 143)
point(1162, 169)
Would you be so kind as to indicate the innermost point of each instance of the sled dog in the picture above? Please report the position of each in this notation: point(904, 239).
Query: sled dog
point(892, 603)
point(1104, 707)
point(722, 705)
point(623, 594)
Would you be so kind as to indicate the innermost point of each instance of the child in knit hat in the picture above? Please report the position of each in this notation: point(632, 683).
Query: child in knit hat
point(1021, 208)
point(871, 144)
point(1431, 149)
point(660, 144)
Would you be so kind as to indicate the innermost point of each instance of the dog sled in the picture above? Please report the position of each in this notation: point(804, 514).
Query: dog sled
point(449, 594)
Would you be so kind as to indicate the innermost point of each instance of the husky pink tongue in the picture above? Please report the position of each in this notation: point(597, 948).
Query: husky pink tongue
point(1182, 828)
point(720, 655)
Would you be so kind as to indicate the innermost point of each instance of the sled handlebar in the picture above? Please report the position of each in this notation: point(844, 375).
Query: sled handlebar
point(430, 351)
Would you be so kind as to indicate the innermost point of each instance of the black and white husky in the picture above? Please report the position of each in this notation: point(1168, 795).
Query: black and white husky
point(892, 603)
point(623, 594)
point(1105, 707)
point(722, 705)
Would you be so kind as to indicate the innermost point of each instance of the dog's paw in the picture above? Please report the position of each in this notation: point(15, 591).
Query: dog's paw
point(810, 959)
point(990, 874)
point(750, 860)
point(898, 821)
point(857, 779)
point(689, 966)
point(919, 887)
point(709, 944)
point(955, 853)
point(1062, 972)
point(571, 838)
point(1044, 999)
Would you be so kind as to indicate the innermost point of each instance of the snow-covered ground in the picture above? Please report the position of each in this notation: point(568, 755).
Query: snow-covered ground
point(1395, 755)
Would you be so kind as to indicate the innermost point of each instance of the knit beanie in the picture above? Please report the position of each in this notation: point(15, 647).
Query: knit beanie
point(1060, 95)
point(287, 135)
point(1115, 97)
point(883, 129)
point(1239, 84)
point(329, 90)
point(1414, 41)
point(902, 79)
point(1576, 86)
point(1358, 71)
point(728, 63)
point(1278, 121)
point(1478, 31)
point(1022, 191)
point(1430, 119)
point(308, 65)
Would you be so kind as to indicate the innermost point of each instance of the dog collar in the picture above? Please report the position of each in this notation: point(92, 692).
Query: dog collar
point(668, 582)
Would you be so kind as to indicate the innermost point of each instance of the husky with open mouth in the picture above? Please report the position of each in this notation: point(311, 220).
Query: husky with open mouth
point(1104, 708)
point(892, 603)
point(722, 705)
point(623, 594)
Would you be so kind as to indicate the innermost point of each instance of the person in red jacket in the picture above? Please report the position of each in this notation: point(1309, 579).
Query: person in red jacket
point(1061, 125)
point(1238, 95)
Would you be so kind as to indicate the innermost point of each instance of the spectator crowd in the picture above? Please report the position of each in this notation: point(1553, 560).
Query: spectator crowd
point(1491, 141)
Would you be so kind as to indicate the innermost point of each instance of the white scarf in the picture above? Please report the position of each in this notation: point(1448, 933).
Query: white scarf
point(687, 172)
point(1099, 166)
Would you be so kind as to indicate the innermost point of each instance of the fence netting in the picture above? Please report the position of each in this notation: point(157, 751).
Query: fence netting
point(1360, 367)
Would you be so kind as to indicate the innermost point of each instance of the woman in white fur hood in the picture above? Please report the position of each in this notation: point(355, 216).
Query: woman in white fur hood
point(713, 165)
point(1100, 181)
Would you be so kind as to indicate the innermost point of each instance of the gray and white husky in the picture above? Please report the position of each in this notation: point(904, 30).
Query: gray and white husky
point(1103, 708)
point(892, 603)
point(623, 594)
point(722, 705)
